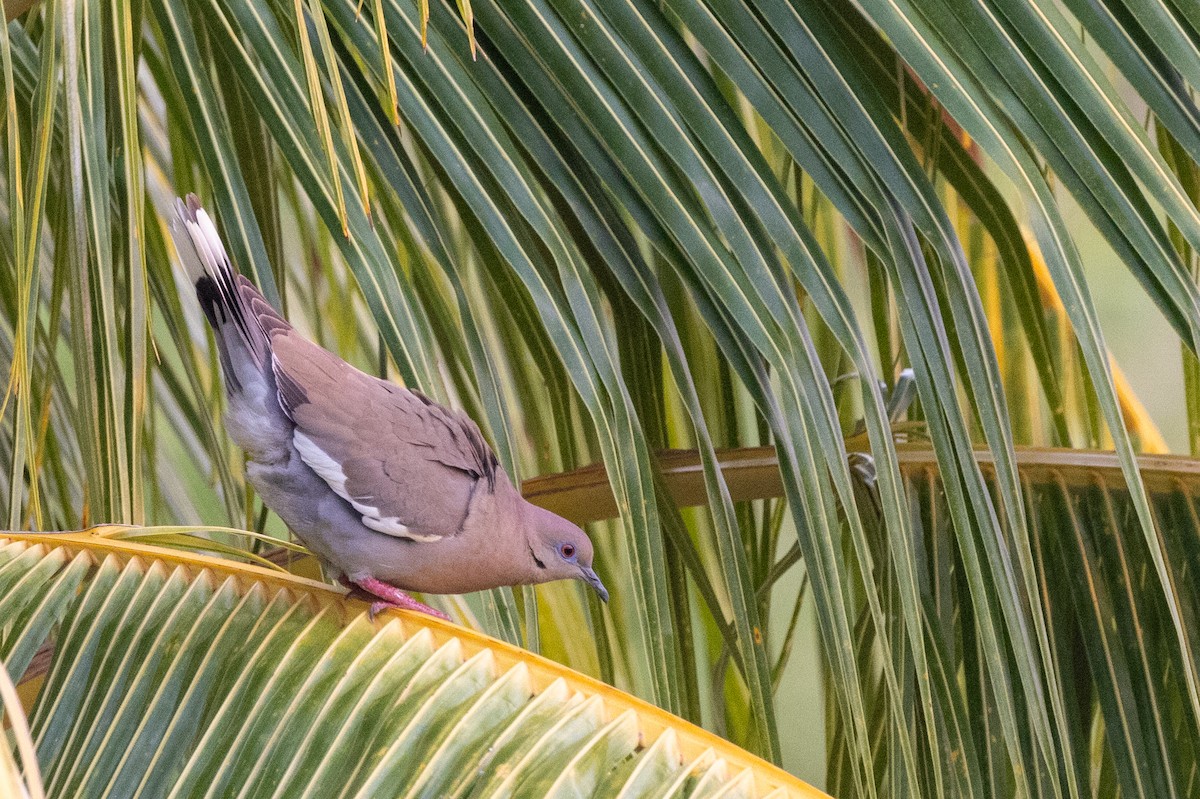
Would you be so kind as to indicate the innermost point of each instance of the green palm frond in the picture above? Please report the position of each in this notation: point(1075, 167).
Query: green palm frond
point(610, 229)
point(181, 675)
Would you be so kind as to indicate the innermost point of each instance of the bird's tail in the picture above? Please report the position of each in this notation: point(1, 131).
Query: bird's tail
point(224, 296)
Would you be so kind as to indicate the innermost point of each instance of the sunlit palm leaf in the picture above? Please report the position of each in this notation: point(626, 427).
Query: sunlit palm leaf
point(616, 227)
point(179, 675)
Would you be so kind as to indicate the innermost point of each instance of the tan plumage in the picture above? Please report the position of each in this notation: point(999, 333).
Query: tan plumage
point(390, 489)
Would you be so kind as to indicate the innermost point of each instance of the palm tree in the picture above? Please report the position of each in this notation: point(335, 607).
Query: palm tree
point(830, 249)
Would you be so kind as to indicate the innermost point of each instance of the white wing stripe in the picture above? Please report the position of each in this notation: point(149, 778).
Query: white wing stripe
point(392, 526)
point(331, 472)
point(317, 460)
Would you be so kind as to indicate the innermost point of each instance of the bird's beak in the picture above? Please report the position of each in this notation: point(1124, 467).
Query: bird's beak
point(590, 577)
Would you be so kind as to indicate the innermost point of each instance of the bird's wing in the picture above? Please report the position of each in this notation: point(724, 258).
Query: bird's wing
point(407, 464)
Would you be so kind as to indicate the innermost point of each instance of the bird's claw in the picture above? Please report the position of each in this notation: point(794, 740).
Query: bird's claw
point(380, 606)
point(377, 608)
point(388, 596)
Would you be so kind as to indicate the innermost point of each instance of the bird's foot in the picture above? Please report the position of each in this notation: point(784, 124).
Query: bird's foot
point(389, 596)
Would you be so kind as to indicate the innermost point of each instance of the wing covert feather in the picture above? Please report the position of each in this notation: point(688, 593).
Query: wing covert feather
point(407, 464)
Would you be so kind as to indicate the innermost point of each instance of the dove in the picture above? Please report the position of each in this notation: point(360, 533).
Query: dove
point(392, 491)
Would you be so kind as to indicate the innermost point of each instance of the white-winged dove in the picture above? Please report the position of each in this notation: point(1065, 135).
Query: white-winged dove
point(391, 490)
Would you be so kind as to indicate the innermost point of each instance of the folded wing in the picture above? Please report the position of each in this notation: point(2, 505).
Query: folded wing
point(407, 464)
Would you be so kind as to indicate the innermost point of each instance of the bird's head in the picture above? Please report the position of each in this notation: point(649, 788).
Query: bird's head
point(560, 550)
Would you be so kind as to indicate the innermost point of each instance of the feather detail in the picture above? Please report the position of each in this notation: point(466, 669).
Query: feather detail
point(207, 264)
point(332, 473)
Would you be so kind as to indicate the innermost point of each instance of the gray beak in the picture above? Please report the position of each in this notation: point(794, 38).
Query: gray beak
point(590, 577)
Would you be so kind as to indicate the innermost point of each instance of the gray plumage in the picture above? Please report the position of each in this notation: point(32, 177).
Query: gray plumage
point(388, 488)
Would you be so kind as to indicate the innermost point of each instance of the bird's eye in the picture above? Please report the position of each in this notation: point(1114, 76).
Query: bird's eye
point(567, 551)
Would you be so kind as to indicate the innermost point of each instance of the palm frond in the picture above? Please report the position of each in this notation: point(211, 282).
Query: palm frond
point(177, 674)
point(609, 229)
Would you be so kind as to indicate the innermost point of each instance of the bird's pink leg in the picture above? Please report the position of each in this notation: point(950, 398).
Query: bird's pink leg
point(390, 596)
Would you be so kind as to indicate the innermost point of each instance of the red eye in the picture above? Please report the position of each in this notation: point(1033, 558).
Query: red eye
point(567, 551)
